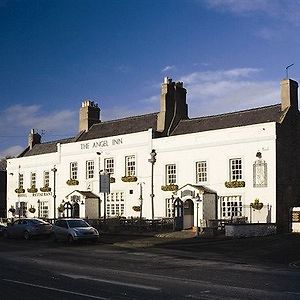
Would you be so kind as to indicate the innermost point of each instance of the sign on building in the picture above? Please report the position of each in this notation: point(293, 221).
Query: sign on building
point(104, 183)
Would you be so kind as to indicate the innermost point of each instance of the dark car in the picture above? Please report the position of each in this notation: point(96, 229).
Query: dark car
point(2, 228)
point(28, 228)
point(68, 229)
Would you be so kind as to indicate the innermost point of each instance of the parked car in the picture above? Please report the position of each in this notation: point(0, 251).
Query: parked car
point(2, 228)
point(27, 228)
point(70, 229)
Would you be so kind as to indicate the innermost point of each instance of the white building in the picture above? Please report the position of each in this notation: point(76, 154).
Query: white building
point(241, 164)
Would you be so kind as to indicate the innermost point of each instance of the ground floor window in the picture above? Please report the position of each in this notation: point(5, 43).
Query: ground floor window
point(21, 208)
point(44, 209)
point(169, 207)
point(231, 206)
point(115, 204)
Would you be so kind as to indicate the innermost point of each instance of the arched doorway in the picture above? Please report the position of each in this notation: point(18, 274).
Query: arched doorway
point(75, 210)
point(178, 214)
point(188, 214)
point(68, 209)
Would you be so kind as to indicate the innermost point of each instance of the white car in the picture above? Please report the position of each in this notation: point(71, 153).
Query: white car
point(69, 229)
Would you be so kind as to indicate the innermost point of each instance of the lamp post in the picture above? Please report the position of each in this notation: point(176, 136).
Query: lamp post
point(198, 200)
point(54, 170)
point(152, 160)
point(99, 174)
point(141, 199)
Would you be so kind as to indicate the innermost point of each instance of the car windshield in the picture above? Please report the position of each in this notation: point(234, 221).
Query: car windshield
point(77, 223)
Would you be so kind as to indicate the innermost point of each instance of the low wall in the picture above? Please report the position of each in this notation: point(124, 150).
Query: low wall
point(249, 230)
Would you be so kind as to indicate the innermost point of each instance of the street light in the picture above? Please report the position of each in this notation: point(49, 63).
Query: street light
point(152, 160)
point(54, 170)
point(198, 200)
point(141, 199)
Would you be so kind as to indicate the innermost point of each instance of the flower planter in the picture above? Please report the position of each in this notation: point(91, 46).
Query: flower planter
point(169, 187)
point(33, 189)
point(129, 178)
point(136, 208)
point(257, 205)
point(112, 180)
point(32, 210)
point(72, 182)
point(20, 190)
point(45, 189)
point(234, 184)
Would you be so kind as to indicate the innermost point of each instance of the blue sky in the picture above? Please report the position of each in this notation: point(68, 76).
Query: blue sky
point(231, 55)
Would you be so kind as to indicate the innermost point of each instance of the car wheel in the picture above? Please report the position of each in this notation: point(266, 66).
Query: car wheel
point(70, 239)
point(26, 235)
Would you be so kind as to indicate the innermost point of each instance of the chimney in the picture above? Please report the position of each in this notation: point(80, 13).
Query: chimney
point(33, 139)
point(173, 107)
point(289, 94)
point(89, 114)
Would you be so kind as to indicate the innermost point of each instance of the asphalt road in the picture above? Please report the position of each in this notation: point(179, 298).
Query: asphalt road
point(121, 267)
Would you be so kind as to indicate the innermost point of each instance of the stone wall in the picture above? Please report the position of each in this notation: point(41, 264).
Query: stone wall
point(249, 230)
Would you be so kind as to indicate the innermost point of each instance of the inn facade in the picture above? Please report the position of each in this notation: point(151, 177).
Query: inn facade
point(239, 165)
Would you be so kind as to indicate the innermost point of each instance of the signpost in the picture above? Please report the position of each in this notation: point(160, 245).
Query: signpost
point(104, 182)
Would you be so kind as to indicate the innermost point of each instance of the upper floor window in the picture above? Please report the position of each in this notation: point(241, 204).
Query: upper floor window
point(171, 174)
point(260, 175)
point(90, 168)
point(130, 165)
point(46, 178)
point(201, 171)
point(74, 170)
point(33, 179)
point(109, 165)
point(235, 169)
point(21, 180)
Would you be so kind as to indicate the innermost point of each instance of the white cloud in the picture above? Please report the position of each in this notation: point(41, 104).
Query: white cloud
point(11, 151)
point(17, 120)
point(222, 91)
point(167, 68)
point(282, 11)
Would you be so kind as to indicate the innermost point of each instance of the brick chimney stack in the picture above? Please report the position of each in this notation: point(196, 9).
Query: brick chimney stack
point(33, 139)
point(89, 114)
point(289, 94)
point(173, 107)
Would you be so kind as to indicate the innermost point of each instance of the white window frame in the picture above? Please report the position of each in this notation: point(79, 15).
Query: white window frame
point(74, 170)
point(21, 180)
point(90, 169)
point(201, 171)
point(33, 179)
point(46, 178)
point(170, 207)
point(260, 173)
point(109, 165)
point(44, 209)
point(171, 174)
point(236, 169)
point(231, 206)
point(115, 204)
point(130, 165)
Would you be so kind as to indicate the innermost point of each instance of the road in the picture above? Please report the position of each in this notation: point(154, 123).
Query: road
point(140, 269)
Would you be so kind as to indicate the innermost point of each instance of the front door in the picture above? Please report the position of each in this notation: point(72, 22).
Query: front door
point(178, 214)
point(188, 214)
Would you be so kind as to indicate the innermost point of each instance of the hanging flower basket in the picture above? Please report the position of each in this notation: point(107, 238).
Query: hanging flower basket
point(112, 179)
point(136, 208)
point(169, 187)
point(12, 210)
point(129, 178)
point(234, 184)
point(61, 208)
point(33, 189)
point(45, 189)
point(256, 204)
point(72, 182)
point(20, 190)
point(32, 210)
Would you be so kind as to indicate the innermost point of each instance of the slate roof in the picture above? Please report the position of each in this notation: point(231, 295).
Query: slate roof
point(44, 148)
point(265, 114)
point(120, 126)
point(140, 123)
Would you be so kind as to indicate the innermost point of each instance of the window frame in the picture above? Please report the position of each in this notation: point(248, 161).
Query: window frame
point(90, 169)
point(201, 171)
point(74, 170)
point(236, 169)
point(171, 174)
point(130, 165)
